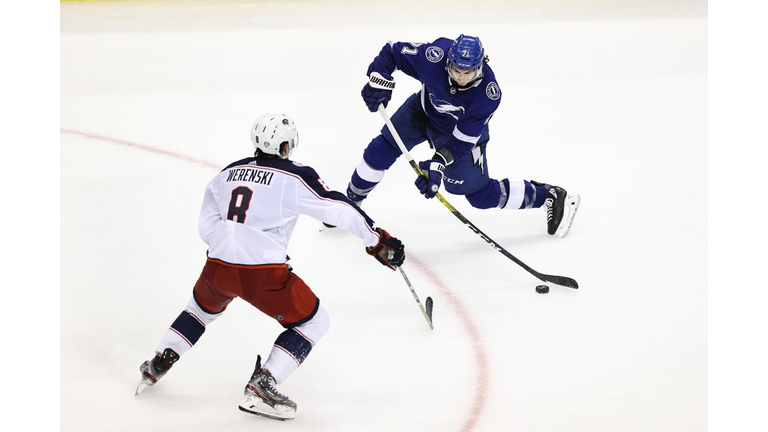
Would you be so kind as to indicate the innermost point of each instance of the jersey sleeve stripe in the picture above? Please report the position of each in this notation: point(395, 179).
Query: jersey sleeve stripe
point(301, 179)
point(463, 137)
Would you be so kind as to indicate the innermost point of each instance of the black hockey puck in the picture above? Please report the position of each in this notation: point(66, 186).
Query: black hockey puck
point(542, 289)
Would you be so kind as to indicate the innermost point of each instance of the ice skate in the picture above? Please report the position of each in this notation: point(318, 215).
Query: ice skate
point(556, 204)
point(261, 397)
point(571, 206)
point(154, 369)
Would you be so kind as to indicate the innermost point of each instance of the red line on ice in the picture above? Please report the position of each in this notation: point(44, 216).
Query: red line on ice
point(481, 358)
point(175, 155)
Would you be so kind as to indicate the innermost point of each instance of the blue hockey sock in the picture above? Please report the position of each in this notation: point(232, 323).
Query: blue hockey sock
point(364, 179)
point(186, 329)
point(377, 158)
point(358, 188)
point(295, 344)
point(534, 196)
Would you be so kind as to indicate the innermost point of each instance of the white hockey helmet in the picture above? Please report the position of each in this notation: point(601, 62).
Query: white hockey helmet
point(270, 131)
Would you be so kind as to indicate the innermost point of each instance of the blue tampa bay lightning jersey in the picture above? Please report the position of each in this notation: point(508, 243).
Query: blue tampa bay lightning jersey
point(462, 113)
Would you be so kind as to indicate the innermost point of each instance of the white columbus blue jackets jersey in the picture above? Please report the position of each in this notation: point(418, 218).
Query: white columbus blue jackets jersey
point(251, 207)
point(461, 113)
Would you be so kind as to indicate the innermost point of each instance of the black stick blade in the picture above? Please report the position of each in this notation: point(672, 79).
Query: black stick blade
point(560, 280)
point(429, 305)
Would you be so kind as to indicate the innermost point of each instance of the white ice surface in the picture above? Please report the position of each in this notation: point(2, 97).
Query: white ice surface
point(607, 99)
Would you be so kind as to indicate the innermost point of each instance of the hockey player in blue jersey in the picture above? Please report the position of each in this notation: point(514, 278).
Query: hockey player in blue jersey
point(458, 97)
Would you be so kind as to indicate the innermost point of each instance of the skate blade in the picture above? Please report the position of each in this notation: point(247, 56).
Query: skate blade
point(572, 202)
point(140, 388)
point(257, 407)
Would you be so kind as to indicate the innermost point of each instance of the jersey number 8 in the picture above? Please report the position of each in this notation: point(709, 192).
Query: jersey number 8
point(239, 203)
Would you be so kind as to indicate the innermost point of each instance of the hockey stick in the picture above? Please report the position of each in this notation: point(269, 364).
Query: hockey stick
point(559, 280)
point(428, 312)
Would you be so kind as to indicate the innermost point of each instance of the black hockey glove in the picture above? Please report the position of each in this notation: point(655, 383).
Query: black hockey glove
point(433, 170)
point(378, 90)
point(389, 251)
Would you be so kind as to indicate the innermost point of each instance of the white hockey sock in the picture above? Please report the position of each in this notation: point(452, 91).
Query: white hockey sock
point(363, 180)
point(365, 172)
point(294, 345)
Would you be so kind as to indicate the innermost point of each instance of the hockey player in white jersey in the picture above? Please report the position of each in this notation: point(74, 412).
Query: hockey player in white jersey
point(248, 215)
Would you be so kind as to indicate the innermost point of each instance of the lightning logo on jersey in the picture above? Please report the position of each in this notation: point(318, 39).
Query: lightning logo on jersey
point(444, 107)
point(477, 156)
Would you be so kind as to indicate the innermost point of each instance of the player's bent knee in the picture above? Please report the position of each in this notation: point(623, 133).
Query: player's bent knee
point(204, 316)
point(381, 153)
point(317, 327)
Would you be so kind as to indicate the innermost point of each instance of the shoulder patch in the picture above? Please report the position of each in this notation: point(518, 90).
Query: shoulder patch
point(434, 54)
point(493, 91)
point(298, 164)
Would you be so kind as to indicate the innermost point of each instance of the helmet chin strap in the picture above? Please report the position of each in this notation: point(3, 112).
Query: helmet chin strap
point(474, 83)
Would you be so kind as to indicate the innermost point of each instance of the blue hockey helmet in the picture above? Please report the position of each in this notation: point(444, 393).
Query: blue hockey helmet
point(466, 54)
